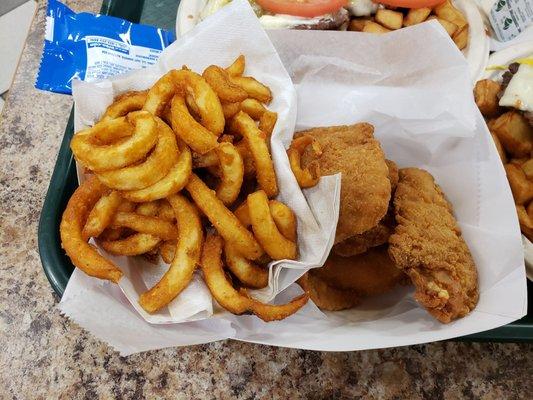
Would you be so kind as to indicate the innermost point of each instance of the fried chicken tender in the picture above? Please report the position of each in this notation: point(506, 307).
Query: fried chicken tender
point(393, 174)
point(427, 244)
point(369, 274)
point(365, 185)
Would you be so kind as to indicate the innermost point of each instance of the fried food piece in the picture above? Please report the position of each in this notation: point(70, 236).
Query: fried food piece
point(486, 96)
point(325, 296)
point(427, 244)
point(358, 244)
point(526, 223)
point(521, 187)
point(389, 19)
point(372, 27)
point(365, 185)
point(238, 302)
point(416, 16)
point(393, 174)
point(514, 132)
point(499, 148)
point(83, 255)
point(369, 274)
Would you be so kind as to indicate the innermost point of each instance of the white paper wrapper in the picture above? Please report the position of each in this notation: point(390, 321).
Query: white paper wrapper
point(413, 85)
point(317, 212)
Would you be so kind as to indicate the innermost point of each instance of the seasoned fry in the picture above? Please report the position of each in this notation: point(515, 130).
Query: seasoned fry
point(200, 139)
point(154, 168)
point(253, 87)
point(219, 80)
point(83, 255)
point(449, 13)
point(253, 108)
point(276, 245)
point(267, 122)
point(187, 83)
point(282, 215)
point(167, 250)
point(145, 224)
point(133, 245)
point(232, 173)
point(237, 68)
point(284, 218)
point(224, 221)
point(232, 300)
point(257, 143)
point(309, 176)
point(173, 182)
point(108, 157)
point(249, 274)
point(126, 103)
point(230, 109)
point(100, 216)
point(187, 256)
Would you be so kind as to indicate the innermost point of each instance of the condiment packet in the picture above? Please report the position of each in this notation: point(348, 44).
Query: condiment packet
point(93, 47)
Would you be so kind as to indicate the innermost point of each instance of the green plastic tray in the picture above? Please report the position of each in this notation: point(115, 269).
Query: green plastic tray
point(57, 265)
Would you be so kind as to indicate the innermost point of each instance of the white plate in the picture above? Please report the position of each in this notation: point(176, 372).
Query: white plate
point(505, 57)
point(476, 53)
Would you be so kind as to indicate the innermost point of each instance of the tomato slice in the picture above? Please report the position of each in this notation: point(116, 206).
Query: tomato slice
point(410, 3)
point(302, 8)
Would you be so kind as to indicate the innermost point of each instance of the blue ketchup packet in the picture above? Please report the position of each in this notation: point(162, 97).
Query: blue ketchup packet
point(92, 47)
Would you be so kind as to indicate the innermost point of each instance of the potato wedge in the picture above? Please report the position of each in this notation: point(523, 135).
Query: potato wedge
point(514, 132)
point(372, 27)
point(448, 12)
point(486, 96)
point(358, 24)
point(460, 37)
point(448, 26)
point(499, 147)
point(389, 19)
point(416, 16)
point(527, 167)
point(521, 187)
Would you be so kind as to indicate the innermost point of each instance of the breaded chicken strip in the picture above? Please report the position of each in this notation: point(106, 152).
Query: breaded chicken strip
point(365, 188)
point(427, 244)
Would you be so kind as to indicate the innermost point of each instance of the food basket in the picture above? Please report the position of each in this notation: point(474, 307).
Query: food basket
point(58, 267)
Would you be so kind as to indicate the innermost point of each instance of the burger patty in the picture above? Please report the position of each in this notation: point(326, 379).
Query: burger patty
point(331, 22)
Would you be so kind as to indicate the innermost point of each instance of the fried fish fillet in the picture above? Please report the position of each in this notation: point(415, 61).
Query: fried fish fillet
point(369, 274)
point(327, 297)
point(365, 185)
point(427, 244)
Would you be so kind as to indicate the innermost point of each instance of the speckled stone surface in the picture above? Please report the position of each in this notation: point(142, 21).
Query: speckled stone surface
point(45, 356)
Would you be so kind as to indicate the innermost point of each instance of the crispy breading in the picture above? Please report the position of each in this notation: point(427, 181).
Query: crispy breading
point(393, 174)
point(427, 244)
point(365, 188)
point(369, 274)
point(358, 244)
point(327, 297)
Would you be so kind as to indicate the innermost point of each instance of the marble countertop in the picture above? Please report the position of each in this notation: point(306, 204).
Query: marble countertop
point(45, 356)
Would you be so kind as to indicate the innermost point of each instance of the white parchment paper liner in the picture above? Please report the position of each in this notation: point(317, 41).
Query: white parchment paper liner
point(216, 43)
point(413, 85)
